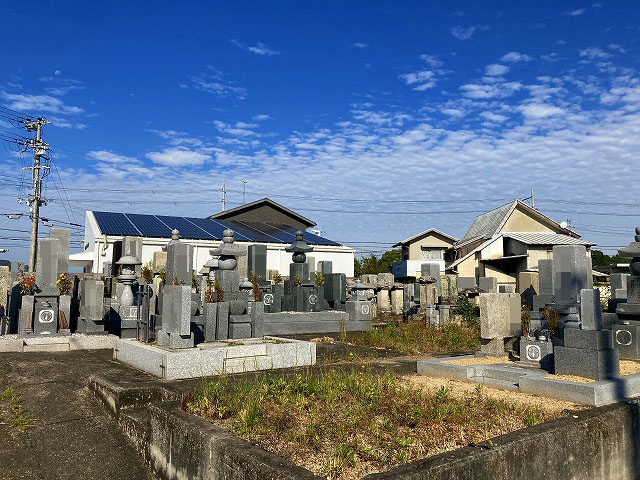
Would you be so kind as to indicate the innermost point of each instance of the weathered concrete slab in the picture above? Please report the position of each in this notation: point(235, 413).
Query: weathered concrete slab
point(63, 343)
point(534, 381)
point(216, 358)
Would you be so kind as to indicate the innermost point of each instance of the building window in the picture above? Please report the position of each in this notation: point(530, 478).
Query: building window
point(432, 253)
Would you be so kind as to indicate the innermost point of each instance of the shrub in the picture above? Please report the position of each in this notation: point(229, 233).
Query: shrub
point(277, 278)
point(319, 279)
point(147, 272)
point(468, 311)
point(525, 320)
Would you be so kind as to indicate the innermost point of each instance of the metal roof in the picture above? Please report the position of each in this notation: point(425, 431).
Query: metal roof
point(263, 201)
point(431, 230)
point(486, 224)
point(545, 238)
point(490, 223)
point(160, 226)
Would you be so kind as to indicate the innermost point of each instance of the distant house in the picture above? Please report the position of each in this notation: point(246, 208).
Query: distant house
point(263, 222)
point(508, 240)
point(429, 246)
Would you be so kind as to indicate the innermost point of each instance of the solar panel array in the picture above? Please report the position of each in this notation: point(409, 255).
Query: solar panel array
point(160, 226)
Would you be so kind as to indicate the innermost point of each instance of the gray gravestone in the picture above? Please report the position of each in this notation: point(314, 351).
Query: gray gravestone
point(570, 273)
point(545, 276)
point(47, 261)
point(465, 283)
point(325, 267)
point(488, 284)
point(179, 261)
point(257, 262)
point(432, 269)
point(63, 235)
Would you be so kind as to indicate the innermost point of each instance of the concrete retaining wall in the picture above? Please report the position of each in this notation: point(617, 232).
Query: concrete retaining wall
point(601, 444)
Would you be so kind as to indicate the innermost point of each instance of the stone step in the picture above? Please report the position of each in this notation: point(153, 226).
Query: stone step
point(500, 384)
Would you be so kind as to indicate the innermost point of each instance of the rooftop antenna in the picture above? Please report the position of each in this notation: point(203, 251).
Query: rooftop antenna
point(532, 200)
point(244, 190)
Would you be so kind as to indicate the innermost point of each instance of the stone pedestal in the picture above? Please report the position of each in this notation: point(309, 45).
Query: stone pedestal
point(538, 353)
point(587, 353)
point(176, 317)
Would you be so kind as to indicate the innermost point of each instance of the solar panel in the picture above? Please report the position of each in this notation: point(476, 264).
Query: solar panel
point(149, 225)
point(259, 230)
point(310, 238)
point(115, 224)
point(186, 228)
point(214, 229)
point(134, 224)
point(251, 234)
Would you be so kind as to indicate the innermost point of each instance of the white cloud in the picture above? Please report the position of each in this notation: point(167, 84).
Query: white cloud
point(575, 13)
point(258, 49)
point(615, 46)
point(261, 117)
point(493, 117)
point(465, 33)
point(515, 57)
point(360, 45)
point(240, 129)
point(496, 70)
point(38, 103)
point(215, 82)
point(453, 112)
point(60, 86)
point(424, 79)
point(110, 157)
point(594, 53)
point(178, 157)
point(540, 110)
point(498, 90)
point(432, 60)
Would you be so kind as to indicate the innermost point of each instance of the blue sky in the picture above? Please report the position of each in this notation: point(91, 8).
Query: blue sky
point(344, 111)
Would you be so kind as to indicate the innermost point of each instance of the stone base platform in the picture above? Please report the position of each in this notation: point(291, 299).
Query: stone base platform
point(56, 343)
point(216, 358)
point(533, 381)
point(298, 323)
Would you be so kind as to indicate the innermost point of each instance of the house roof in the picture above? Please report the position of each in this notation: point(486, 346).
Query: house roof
point(529, 238)
point(160, 226)
point(418, 235)
point(545, 238)
point(261, 202)
point(489, 224)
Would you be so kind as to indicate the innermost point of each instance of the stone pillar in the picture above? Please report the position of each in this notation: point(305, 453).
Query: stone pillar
point(63, 235)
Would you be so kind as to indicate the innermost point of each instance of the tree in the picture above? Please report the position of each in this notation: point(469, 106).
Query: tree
point(374, 265)
point(599, 259)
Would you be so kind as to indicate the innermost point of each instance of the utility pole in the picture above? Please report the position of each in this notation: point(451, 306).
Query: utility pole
point(39, 149)
point(224, 193)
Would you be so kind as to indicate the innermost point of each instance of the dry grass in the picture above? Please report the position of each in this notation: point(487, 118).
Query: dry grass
point(481, 360)
point(571, 378)
point(346, 424)
point(416, 338)
point(629, 367)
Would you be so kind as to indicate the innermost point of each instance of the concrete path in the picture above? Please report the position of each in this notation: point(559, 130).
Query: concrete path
point(72, 436)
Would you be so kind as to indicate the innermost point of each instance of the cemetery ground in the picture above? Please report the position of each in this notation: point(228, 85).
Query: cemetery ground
point(346, 423)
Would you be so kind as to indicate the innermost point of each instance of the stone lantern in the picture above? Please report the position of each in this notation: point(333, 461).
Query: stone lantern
point(299, 268)
point(126, 278)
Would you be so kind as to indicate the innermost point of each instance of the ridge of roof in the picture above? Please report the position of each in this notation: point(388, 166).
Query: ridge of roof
point(424, 233)
point(267, 201)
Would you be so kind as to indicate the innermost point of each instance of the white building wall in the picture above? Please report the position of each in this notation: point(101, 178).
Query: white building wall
point(277, 257)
